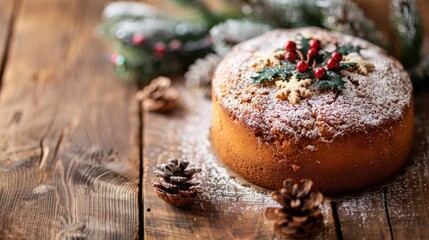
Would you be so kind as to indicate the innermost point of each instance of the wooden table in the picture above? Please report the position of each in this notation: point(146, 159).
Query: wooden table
point(77, 151)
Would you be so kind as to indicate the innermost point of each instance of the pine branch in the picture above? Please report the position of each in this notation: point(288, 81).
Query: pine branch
point(292, 13)
point(201, 7)
point(406, 21)
point(166, 46)
point(231, 32)
point(420, 72)
point(345, 16)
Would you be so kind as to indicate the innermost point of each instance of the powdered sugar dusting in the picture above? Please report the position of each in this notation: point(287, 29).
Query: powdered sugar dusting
point(223, 200)
point(367, 103)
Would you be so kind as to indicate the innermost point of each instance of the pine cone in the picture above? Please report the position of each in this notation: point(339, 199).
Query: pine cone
point(176, 186)
point(159, 96)
point(300, 215)
point(200, 73)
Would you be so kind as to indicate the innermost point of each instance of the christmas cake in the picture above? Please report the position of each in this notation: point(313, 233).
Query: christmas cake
point(309, 103)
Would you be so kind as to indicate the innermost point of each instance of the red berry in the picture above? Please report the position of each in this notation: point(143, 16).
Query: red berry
point(337, 56)
point(315, 43)
point(332, 64)
point(175, 44)
point(159, 49)
point(138, 39)
point(290, 46)
point(320, 72)
point(290, 56)
point(312, 52)
point(117, 59)
point(302, 66)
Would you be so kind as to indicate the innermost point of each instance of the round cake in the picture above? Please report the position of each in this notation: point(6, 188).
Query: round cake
point(310, 103)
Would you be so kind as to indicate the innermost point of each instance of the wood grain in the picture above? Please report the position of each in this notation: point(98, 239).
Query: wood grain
point(408, 197)
point(68, 130)
point(6, 20)
point(364, 217)
point(226, 209)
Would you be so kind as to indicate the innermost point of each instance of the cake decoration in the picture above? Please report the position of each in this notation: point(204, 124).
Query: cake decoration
point(176, 186)
point(298, 66)
point(293, 90)
point(300, 215)
point(362, 66)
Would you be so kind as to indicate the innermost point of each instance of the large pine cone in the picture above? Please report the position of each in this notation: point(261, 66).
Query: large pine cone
point(176, 186)
point(300, 216)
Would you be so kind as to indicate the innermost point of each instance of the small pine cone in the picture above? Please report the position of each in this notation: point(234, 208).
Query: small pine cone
point(176, 186)
point(159, 95)
point(300, 215)
point(200, 73)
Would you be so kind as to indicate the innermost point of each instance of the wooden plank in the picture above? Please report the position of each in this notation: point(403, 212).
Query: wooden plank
point(226, 209)
point(68, 130)
point(364, 217)
point(408, 197)
point(6, 20)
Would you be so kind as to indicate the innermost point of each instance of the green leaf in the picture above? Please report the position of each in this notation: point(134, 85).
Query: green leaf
point(348, 48)
point(269, 74)
point(347, 65)
point(288, 65)
point(304, 44)
point(332, 81)
point(304, 75)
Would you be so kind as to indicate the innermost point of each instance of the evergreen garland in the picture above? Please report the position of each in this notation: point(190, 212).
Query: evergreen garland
point(286, 14)
point(224, 35)
point(149, 44)
point(346, 17)
point(406, 21)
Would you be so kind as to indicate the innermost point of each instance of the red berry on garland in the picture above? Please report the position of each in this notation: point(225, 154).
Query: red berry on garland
point(302, 66)
point(117, 59)
point(315, 43)
point(159, 49)
point(175, 44)
point(337, 56)
point(332, 64)
point(312, 52)
point(290, 46)
point(320, 72)
point(138, 39)
point(290, 56)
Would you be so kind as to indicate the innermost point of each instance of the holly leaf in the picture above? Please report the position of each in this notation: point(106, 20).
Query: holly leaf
point(347, 65)
point(288, 65)
point(271, 73)
point(347, 49)
point(304, 75)
point(332, 81)
point(304, 44)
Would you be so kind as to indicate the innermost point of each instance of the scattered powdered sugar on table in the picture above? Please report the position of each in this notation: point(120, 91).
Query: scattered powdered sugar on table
point(366, 104)
point(217, 183)
point(222, 196)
